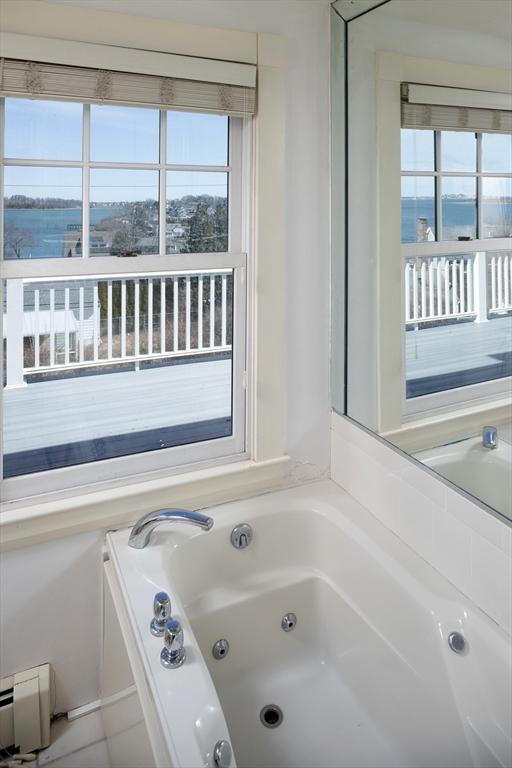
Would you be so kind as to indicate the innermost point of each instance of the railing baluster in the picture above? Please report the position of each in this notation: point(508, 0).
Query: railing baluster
point(423, 280)
point(136, 316)
point(431, 310)
point(506, 281)
point(439, 279)
point(66, 326)
point(446, 287)
point(150, 316)
point(407, 285)
point(96, 320)
point(187, 312)
point(36, 328)
point(200, 312)
point(52, 326)
point(81, 301)
point(224, 309)
point(415, 290)
point(123, 318)
point(455, 290)
point(175, 314)
point(462, 286)
point(212, 311)
point(109, 319)
point(162, 314)
point(500, 282)
point(494, 302)
point(471, 290)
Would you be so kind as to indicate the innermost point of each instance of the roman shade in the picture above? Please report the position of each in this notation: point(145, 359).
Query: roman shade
point(452, 109)
point(85, 84)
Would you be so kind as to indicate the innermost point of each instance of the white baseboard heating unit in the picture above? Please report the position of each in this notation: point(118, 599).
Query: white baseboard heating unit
point(26, 700)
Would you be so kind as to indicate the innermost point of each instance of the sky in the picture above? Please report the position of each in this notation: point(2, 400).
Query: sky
point(52, 130)
point(458, 153)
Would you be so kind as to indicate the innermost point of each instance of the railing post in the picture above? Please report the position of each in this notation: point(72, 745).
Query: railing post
point(480, 286)
point(14, 316)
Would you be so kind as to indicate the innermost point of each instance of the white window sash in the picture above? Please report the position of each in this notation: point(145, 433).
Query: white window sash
point(174, 459)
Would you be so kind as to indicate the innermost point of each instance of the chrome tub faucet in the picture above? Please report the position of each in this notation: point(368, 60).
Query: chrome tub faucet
point(143, 528)
point(490, 437)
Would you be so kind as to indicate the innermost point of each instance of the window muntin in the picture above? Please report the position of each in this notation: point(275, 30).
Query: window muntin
point(127, 173)
point(449, 193)
point(186, 320)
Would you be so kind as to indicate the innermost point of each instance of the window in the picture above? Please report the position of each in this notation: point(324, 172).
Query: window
point(456, 223)
point(123, 290)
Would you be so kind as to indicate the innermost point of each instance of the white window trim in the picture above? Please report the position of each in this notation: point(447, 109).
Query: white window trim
point(392, 70)
point(115, 503)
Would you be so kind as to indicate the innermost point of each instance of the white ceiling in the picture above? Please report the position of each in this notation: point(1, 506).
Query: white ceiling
point(487, 17)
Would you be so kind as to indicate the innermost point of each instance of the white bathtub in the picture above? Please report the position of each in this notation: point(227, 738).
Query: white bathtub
point(365, 679)
point(485, 473)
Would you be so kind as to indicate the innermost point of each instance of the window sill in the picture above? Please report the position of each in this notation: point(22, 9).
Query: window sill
point(26, 524)
point(437, 429)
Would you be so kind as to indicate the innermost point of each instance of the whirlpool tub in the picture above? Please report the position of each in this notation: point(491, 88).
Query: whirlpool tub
point(337, 651)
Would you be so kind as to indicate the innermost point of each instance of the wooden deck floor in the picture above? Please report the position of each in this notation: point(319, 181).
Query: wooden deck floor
point(71, 420)
point(85, 408)
point(455, 355)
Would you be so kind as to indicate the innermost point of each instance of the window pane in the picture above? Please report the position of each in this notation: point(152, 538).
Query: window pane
point(418, 209)
point(417, 150)
point(42, 212)
point(458, 200)
point(445, 344)
point(497, 152)
point(43, 130)
point(73, 393)
point(124, 134)
point(458, 151)
point(496, 207)
point(197, 139)
point(197, 212)
point(123, 212)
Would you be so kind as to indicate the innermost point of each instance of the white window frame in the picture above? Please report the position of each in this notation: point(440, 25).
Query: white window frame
point(394, 411)
point(169, 460)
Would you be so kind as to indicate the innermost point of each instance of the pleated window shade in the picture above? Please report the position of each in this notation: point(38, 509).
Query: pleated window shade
point(454, 118)
point(47, 81)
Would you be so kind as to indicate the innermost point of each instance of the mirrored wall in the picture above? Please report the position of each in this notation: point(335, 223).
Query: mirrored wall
point(427, 91)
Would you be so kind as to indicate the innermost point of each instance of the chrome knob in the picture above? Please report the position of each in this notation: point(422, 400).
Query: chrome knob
point(173, 653)
point(161, 614)
point(241, 536)
point(222, 754)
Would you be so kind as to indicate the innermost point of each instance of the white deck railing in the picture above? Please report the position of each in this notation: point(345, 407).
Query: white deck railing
point(103, 322)
point(474, 286)
point(501, 283)
point(438, 288)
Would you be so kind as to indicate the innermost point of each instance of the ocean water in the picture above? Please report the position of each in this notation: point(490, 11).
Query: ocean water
point(459, 218)
point(48, 226)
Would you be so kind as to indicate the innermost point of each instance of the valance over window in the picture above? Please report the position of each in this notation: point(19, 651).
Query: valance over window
point(430, 107)
point(49, 81)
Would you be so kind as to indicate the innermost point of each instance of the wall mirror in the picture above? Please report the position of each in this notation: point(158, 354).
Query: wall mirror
point(428, 318)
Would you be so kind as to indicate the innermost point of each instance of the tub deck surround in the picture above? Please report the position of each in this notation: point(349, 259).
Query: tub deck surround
point(485, 473)
point(364, 679)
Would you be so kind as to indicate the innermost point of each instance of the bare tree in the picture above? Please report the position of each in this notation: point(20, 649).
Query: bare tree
point(15, 239)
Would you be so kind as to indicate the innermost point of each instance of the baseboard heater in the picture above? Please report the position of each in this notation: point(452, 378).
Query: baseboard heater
point(25, 709)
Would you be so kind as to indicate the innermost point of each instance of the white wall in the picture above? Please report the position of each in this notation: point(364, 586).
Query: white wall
point(383, 30)
point(59, 582)
point(51, 612)
point(465, 543)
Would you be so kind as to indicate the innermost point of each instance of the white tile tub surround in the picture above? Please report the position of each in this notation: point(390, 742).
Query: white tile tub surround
point(464, 542)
